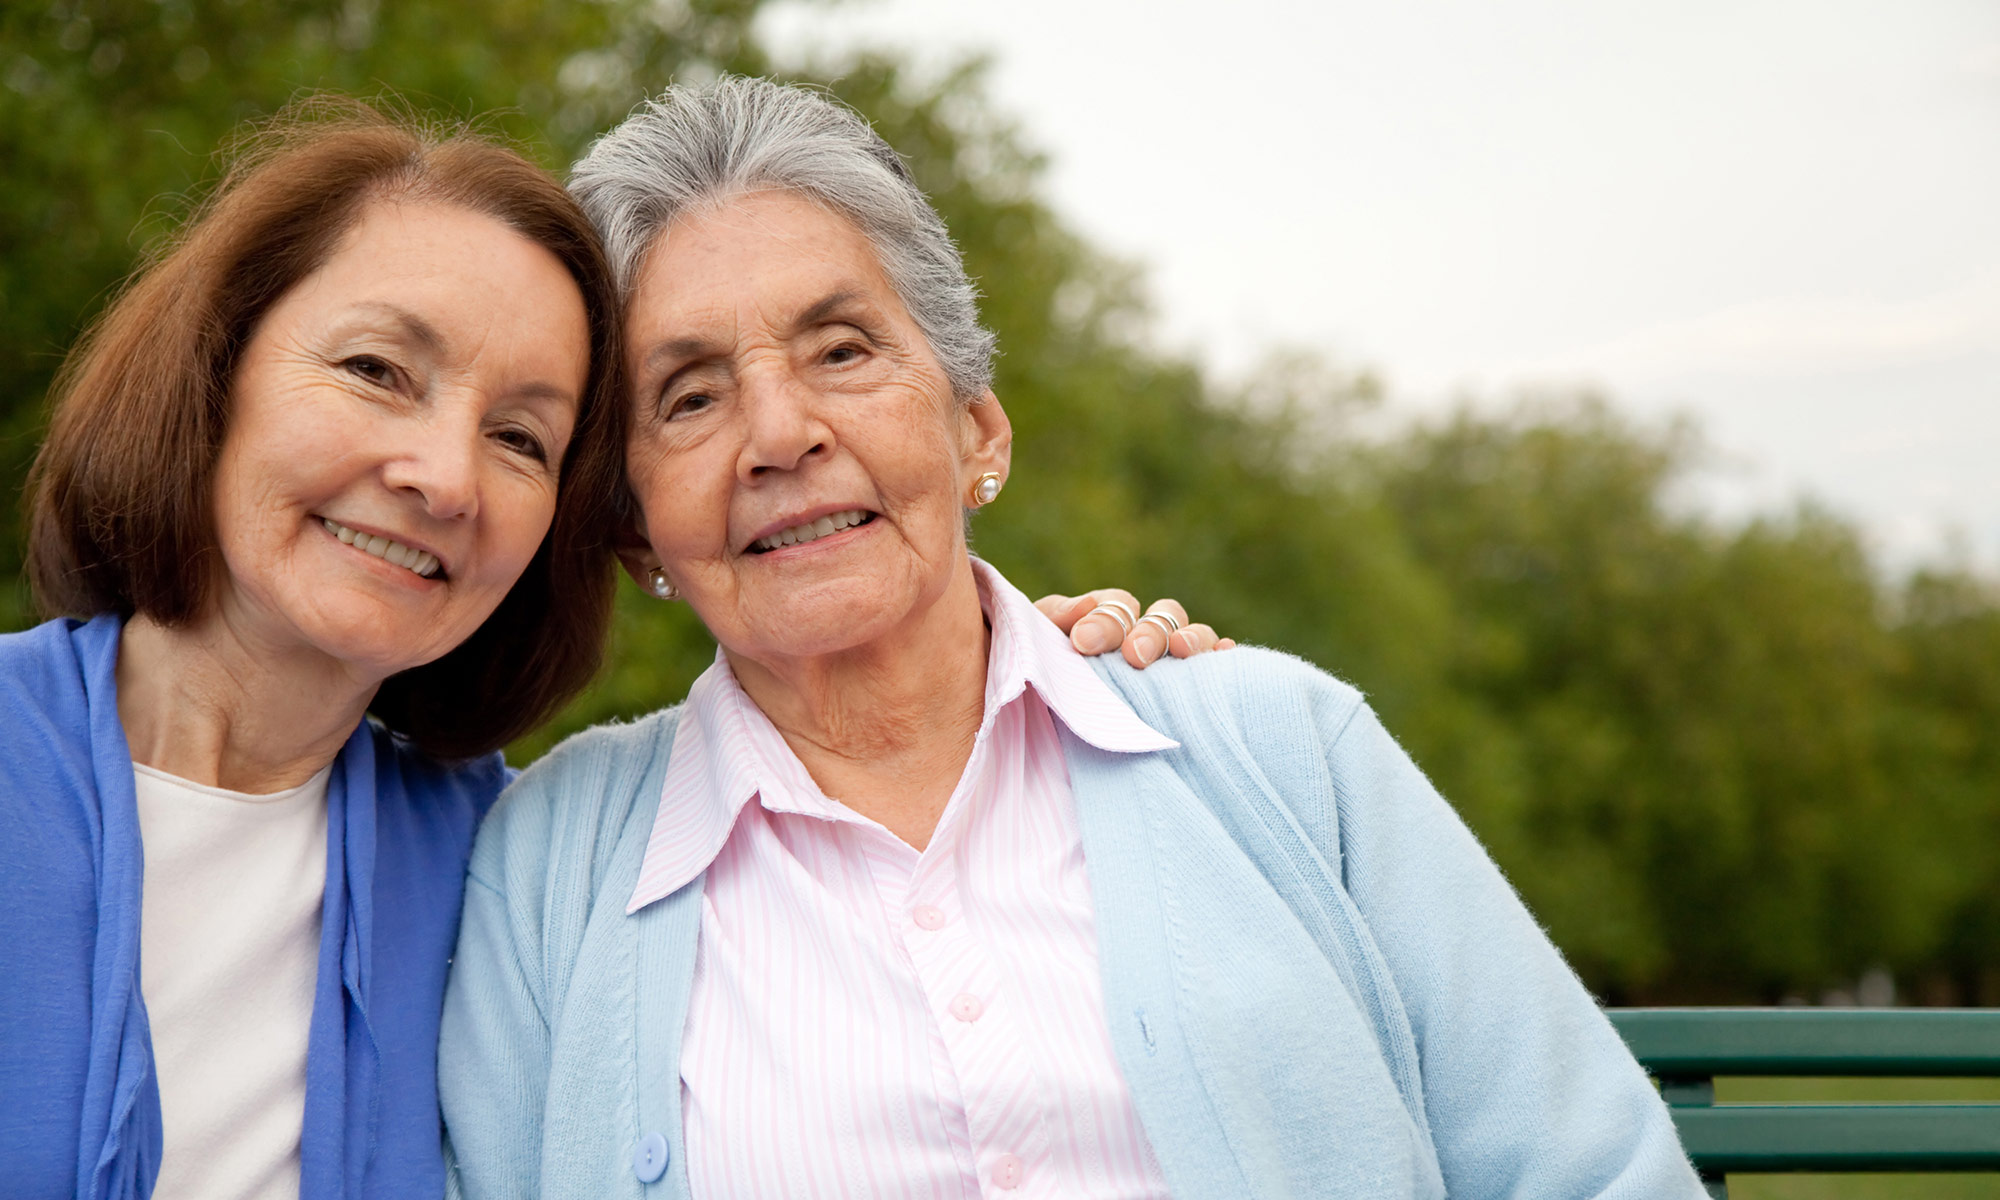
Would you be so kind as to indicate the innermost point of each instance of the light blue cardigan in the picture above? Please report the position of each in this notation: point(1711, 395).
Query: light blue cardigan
point(1316, 981)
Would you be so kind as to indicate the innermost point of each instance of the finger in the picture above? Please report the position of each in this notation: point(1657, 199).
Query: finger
point(1096, 632)
point(1118, 595)
point(1145, 644)
point(1063, 610)
point(1193, 640)
point(1154, 634)
point(1151, 638)
point(1225, 643)
point(1171, 607)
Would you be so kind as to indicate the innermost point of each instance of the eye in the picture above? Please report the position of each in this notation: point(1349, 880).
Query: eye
point(377, 371)
point(843, 354)
point(523, 443)
point(688, 405)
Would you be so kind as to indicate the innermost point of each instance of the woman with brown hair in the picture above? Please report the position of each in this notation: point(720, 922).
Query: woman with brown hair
point(305, 469)
point(347, 448)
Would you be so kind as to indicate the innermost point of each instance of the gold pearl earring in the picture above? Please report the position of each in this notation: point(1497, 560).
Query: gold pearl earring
point(986, 489)
point(660, 585)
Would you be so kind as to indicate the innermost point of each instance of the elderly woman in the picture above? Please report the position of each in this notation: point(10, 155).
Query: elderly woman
point(338, 452)
point(905, 900)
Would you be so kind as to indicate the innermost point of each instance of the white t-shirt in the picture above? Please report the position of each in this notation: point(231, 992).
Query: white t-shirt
point(229, 955)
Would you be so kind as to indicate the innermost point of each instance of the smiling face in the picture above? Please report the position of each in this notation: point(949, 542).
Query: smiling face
point(799, 460)
point(396, 423)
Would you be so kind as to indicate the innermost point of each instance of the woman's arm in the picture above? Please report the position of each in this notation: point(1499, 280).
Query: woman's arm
point(1529, 1090)
point(493, 1052)
point(493, 1045)
point(517, 1125)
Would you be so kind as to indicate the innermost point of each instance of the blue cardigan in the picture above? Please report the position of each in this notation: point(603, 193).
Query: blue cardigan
point(79, 1105)
point(1316, 982)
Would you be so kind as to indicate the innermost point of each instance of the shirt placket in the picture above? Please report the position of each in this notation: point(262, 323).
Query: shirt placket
point(981, 1032)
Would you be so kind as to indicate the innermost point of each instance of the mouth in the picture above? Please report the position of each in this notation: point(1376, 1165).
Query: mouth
point(421, 563)
point(811, 531)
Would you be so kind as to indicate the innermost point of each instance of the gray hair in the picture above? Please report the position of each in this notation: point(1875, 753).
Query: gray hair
point(700, 146)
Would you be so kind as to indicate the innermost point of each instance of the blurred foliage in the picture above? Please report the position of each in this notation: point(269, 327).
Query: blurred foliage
point(111, 112)
point(1722, 763)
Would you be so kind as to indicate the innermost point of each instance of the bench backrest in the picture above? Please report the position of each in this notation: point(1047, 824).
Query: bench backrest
point(1687, 1048)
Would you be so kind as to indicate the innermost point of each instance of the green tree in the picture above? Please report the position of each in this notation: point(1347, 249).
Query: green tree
point(1720, 762)
point(1695, 749)
point(111, 110)
point(1948, 765)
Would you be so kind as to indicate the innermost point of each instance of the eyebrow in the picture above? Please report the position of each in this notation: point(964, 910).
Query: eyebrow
point(825, 308)
point(541, 390)
point(413, 326)
point(426, 335)
point(687, 348)
point(690, 350)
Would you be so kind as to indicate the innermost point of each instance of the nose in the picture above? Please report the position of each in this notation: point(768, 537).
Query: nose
point(438, 461)
point(784, 427)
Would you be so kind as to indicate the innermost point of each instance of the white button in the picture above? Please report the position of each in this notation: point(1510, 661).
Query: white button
point(928, 916)
point(1007, 1172)
point(967, 1007)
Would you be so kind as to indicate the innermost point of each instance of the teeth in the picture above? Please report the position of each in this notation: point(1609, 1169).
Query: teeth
point(797, 534)
point(410, 558)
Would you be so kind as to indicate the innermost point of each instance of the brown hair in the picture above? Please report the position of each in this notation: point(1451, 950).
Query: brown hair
point(120, 501)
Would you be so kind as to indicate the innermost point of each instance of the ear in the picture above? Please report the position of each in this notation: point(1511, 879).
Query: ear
point(635, 552)
point(986, 441)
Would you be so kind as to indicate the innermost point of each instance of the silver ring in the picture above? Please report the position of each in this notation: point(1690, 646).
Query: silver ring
point(1165, 622)
point(1125, 618)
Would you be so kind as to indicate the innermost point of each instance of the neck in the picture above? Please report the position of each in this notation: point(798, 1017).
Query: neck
point(887, 727)
point(206, 704)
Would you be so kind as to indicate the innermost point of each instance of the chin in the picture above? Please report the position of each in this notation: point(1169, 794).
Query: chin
point(378, 661)
point(380, 645)
point(830, 621)
point(818, 640)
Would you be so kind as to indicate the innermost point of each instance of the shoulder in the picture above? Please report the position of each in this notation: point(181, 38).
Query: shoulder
point(586, 767)
point(431, 804)
point(569, 808)
point(35, 642)
point(49, 741)
point(34, 658)
point(1256, 727)
point(1248, 694)
point(476, 780)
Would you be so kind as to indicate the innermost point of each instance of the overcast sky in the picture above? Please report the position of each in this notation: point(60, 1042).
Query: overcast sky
point(1779, 216)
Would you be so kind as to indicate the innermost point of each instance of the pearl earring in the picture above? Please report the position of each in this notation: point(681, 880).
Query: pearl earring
point(986, 489)
point(661, 586)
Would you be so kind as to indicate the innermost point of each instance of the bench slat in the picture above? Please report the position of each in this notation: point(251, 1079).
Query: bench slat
point(1695, 1043)
point(1841, 1137)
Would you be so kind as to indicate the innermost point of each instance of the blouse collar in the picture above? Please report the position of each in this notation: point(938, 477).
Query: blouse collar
point(726, 751)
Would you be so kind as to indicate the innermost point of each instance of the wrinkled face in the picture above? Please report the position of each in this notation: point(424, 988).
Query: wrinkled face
point(799, 459)
point(396, 424)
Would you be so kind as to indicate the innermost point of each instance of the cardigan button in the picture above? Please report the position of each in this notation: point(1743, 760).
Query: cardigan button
point(649, 1158)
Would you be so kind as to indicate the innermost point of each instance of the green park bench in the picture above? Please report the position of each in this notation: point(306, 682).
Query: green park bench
point(1685, 1049)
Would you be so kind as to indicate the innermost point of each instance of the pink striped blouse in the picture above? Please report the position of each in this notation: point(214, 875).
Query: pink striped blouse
point(869, 1021)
